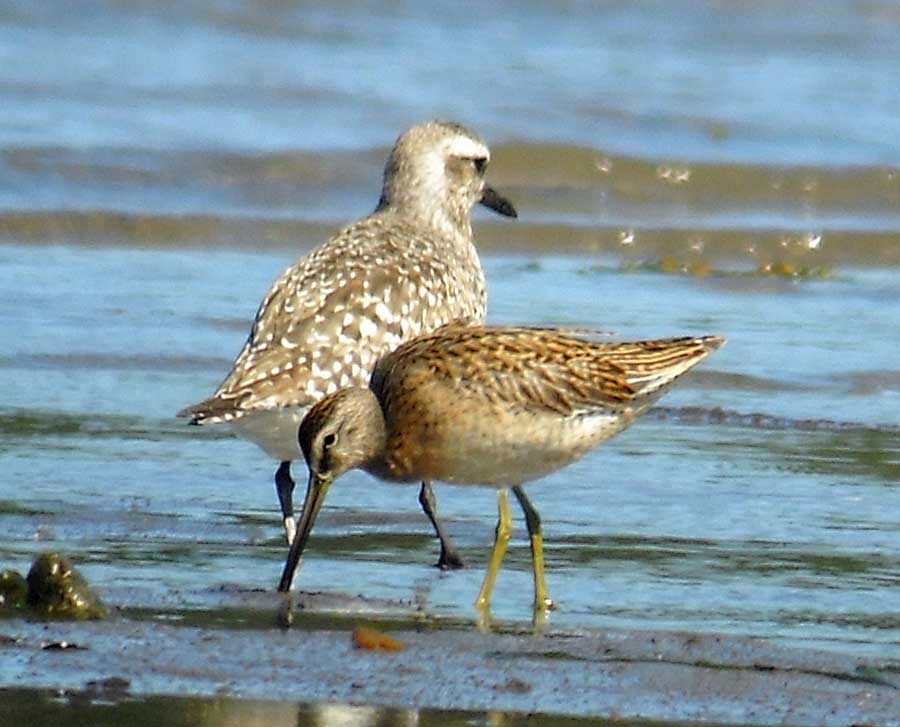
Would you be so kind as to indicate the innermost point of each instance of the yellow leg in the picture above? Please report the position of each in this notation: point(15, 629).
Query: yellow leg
point(501, 539)
point(542, 600)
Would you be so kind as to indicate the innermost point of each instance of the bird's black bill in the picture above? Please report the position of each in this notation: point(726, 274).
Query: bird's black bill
point(315, 496)
point(497, 202)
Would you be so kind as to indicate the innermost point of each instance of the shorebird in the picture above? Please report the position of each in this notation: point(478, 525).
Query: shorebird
point(406, 269)
point(479, 405)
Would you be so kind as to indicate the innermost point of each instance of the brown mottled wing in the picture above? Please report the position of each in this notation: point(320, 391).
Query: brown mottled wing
point(537, 369)
point(327, 319)
point(527, 369)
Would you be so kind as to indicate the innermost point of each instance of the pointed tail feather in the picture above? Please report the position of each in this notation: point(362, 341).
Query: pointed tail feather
point(659, 363)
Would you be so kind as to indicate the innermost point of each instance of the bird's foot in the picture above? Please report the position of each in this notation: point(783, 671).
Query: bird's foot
point(483, 619)
point(539, 621)
point(450, 560)
point(285, 615)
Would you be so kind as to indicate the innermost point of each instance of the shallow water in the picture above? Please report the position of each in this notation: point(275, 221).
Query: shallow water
point(703, 169)
point(698, 517)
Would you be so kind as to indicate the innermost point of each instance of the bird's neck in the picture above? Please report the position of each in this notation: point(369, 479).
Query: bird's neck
point(372, 440)
point(449, 218)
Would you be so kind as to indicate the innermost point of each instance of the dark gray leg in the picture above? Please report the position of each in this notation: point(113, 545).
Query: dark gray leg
point(532, 519)
point(450, 557)
point(284, 486)
point(542, 600)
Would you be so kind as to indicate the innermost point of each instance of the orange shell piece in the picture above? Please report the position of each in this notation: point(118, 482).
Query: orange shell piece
point(366, 638)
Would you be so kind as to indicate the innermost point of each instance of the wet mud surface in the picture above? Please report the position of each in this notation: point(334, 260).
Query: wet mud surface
point(238, 652)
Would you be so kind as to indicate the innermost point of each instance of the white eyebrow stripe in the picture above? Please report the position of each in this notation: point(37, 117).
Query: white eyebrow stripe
point(466, 148)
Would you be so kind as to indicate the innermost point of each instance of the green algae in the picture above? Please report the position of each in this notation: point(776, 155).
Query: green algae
point(701, 268)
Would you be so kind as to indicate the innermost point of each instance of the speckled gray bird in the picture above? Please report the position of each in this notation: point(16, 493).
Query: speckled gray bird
point(406, 269)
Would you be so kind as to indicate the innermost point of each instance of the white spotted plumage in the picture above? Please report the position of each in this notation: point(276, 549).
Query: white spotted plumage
point(405, 269)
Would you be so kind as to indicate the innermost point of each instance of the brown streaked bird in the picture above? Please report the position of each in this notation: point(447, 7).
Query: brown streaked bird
point(480, 405)
point(406, 269)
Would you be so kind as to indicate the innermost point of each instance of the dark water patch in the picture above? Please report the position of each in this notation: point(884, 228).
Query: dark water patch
point(15, 507)
point(237, 325)
point(758, 420)
point(872, 454)
point(817, 446)
point(109, 703)
point(866, 383)
point(719, 251)
point(172, 166)
point(232, 608)
point(699, 267)
point(104, 227)
point(706, 378)
point(692, 183)
point(31, 424)
point(887, 621)
point(573, 180)
point(808, 566)
point(234, 605)
point(189, 183)
point(679, 559)
point(113, 362)
point(355, 516)
point(16, 424)
point(565, 171)
point(877, 626)
point(811, 567)
point(156, 551)
point(158, 548)
point(809, 446)
point(247, 518)
point(377, 546)
point(731, 251)
point(849, 522)
point(576, 551)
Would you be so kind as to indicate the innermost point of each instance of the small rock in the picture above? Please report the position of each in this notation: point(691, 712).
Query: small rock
point(13, 590)
point(57, 590)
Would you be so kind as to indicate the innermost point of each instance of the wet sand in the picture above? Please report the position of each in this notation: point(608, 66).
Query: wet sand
point(238, 652)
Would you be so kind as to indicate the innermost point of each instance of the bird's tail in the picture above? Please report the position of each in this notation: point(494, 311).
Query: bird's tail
point(652, 366)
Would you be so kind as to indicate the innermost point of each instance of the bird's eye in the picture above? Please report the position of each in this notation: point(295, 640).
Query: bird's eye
point(329, 439)
point(480, 164)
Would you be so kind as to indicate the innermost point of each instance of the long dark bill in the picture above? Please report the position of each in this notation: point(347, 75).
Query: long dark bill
point(315, 496)
point(491, 199)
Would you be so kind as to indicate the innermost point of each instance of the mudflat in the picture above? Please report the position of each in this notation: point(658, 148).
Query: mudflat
point(445, 667)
